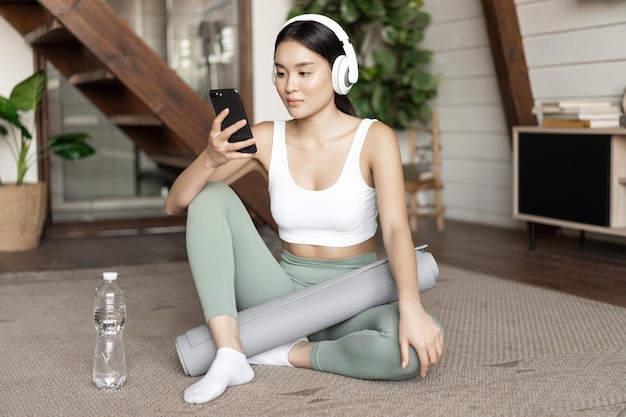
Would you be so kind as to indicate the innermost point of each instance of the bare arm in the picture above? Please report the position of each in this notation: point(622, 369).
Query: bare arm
point(417, 328)
point(220, 161)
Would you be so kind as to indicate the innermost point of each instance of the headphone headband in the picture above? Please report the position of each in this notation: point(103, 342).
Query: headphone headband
point(353, 68)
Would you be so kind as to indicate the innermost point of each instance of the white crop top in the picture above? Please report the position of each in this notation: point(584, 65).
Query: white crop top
point(342, 215)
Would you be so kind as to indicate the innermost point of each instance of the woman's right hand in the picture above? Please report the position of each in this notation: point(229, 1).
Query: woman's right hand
point(219, 150)
point(209, 165)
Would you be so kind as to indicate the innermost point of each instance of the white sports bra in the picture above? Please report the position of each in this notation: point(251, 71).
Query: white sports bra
point(342, 215)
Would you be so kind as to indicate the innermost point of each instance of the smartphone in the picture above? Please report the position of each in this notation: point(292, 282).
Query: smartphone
point(230, 98)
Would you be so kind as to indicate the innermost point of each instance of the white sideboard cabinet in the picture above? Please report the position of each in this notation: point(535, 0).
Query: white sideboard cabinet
point(571, 178)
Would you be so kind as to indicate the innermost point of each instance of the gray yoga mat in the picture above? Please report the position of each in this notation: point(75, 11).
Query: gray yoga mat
point(306, 311)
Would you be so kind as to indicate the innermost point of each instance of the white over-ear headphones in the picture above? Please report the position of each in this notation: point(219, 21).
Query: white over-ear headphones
point(345, 71)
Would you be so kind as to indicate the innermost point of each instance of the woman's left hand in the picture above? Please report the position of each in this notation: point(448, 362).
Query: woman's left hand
point(418, 329)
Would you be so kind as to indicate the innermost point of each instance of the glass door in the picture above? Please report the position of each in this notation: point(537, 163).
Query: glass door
point(198, 39)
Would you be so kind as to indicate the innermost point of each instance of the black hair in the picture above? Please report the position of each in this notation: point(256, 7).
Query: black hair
point(324, 42)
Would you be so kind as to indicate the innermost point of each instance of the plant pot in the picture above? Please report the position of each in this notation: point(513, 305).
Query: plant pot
point(22, 216)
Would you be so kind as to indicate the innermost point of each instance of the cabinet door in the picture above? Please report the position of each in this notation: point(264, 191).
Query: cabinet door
point(565, 176)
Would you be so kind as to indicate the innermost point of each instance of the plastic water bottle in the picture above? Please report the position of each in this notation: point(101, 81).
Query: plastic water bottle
point(109, 317)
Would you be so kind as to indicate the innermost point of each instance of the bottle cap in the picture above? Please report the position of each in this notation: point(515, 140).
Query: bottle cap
point(109, 276)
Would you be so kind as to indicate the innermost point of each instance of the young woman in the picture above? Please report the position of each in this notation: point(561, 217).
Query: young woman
point(331, 175)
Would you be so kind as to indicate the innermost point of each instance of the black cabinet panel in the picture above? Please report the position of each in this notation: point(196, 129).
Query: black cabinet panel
point(565, 176)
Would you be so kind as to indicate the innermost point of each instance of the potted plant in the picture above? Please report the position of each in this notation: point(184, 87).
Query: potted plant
point(23, 206)
point(393, 85)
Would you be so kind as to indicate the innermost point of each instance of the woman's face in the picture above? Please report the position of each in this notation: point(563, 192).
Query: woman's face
point(303, 79)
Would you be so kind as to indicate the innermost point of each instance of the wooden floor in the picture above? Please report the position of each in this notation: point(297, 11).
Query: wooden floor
point(596, 270)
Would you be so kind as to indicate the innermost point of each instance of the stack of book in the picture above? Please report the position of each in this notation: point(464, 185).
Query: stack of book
point(578, 114)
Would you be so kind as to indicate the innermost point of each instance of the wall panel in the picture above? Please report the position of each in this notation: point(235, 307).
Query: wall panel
point(474, 139)
point(606, 43)
point(470, 62)
point(441, 10)
point(598, 81)
point(566, 15)
point(469, 91)
point(473, 118)
point(477, 172)
point(476, 146)
point(456, 35)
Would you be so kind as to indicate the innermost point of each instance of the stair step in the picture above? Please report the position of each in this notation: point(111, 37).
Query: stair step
point(135, 120)
point(99, 76)
point(50, 33)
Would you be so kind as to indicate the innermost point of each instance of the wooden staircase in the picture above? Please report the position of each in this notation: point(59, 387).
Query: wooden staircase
point(134, 87)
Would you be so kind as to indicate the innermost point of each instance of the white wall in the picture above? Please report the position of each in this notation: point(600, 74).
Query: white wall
point(16, 66)
point(476, 152)
point(267, 20)
point(575, 49)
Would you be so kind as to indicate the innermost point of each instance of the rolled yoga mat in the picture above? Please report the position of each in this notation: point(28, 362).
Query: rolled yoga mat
point(306, 311)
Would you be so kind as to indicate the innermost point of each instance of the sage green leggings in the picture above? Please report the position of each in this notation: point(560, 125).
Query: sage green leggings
point(233, 269)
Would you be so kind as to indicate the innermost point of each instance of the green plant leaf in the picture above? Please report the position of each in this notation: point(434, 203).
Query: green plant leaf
point(367, 74)
point(377, 98)
point(389, 35)
point(395, 4)
point(423, 113)
point(385, 61)
point(72, 146)
point(348, 11)
point(423, 19)
point(423, 81)
point(26, 95)
point(414, 37)
point(371, 8)
point(8, 112)
point(417, 57)
point(395, 18)
point(329, 8)
point(382, 97)
point(404, 116)
point(360, 96)
point(302, 4)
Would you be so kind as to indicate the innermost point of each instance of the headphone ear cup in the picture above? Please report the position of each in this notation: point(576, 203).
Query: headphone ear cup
point(341, 85)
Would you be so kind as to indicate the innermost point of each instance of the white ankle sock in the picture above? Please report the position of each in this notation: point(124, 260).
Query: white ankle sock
point(279, 356)
point(229, 368)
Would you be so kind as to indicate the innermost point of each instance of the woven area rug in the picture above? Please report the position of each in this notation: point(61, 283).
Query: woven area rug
point(511, 350)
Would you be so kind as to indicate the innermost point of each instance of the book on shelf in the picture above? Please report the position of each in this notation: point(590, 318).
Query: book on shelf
point(576, 106)
point(558, 122)
point(571, 113)
point(568, 104)
point(583, 116)
point(590, 111)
